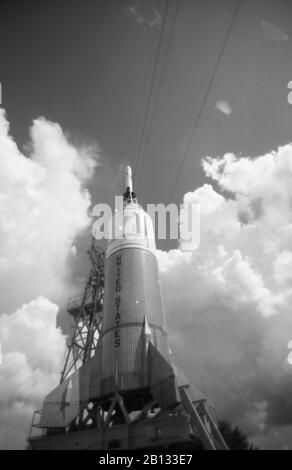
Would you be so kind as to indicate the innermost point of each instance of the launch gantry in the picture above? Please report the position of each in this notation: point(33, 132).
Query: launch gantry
point(120, 388)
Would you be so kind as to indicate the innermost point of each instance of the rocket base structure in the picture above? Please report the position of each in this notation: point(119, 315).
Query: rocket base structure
point(120, 388)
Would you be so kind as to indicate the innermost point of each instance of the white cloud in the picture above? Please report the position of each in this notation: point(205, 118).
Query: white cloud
point(224, 107)
point(273, 33)
point(43, 208)
point(228, 302)
point(142, 14)
point(283, 268)
point(33, 352)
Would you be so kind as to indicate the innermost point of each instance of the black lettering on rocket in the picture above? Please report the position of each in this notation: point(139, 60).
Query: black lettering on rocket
point(118, 302)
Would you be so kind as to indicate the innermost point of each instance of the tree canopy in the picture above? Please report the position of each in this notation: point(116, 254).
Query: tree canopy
point(234, 437)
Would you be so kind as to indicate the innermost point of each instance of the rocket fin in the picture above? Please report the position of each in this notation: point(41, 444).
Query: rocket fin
point(162, 379)
point(63, 404)
point(181, 378)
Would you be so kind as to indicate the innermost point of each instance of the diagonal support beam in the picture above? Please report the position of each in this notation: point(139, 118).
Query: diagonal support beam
point(123, 408)
point(110, 412)
point(195, 418)
point(145, 410)
point(214, 428)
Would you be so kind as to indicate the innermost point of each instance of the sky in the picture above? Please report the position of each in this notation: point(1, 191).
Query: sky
point(75, 79)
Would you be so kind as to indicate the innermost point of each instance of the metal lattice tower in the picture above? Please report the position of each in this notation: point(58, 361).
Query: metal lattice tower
point(86, 310)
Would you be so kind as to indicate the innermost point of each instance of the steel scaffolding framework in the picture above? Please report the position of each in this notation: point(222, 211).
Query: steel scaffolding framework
point(86, 311)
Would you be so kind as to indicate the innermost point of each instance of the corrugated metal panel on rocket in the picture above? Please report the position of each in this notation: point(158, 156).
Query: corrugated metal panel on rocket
point(132, 297)
point(162, 379)
point(159, 339)
point(139, 288)
point(122, 368)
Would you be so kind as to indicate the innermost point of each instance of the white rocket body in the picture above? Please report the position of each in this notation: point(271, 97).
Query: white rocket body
point(133, 309)
point(132, 355)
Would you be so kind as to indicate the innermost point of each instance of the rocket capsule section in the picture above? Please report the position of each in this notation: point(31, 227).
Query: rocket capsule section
point(131, 227)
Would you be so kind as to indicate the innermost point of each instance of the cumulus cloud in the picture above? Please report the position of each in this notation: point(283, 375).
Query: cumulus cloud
point(224, 107)
point(142, 15)
point(33, 352)
point(44, 207)
point(273, 33)
point(228, 301)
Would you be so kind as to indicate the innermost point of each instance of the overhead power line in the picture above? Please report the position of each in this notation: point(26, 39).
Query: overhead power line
point(161, 79)
point(144, 92)
point(156, 61)
point(202, 107)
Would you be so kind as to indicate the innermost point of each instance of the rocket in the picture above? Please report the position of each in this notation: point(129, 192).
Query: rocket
point(133, 337)
point(132, 356)
point(131, 373)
